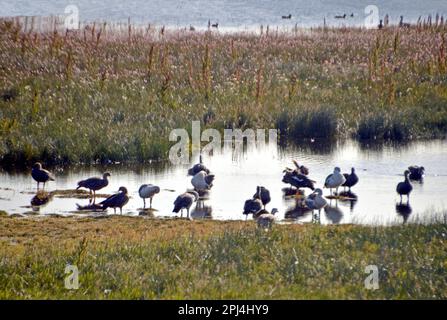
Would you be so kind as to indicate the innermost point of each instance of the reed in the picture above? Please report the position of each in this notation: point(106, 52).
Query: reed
point(106, 93)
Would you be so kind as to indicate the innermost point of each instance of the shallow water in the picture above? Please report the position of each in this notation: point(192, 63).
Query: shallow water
point(379, 168)
point(230, 14)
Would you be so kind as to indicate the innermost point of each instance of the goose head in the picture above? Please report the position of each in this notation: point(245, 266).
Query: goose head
point(105, 175)
point(318, 191)
point(337, 170)
point(123, 190)
point(274, 210)
point(37, 166)
point(352, 170)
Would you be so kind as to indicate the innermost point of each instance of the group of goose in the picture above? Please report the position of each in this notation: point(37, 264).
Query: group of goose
point(202, 182)
point(298, 179)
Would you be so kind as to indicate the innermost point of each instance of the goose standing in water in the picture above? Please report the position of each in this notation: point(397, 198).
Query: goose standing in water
point(252, 206)
point(148, 191)
point(297, 180)
point(341, 17)
point(118, 200)
point(262, 194)
point(416, 172)
point(266, 219)
point(41, 175)
point(198, 167)
point(185, 201)
point(351, 179)
point(202, 181)
point(316, 201)
point(335, 180)
point(94, 184)
point(405, 187)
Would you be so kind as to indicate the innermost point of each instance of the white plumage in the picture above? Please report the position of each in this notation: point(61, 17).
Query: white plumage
point(335, 180)
point(202, 181)
point(148, 191)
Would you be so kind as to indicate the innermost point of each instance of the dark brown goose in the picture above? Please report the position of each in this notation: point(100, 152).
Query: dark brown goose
point(351, 179)
point(198, 167)
point(252, 206)
point(263, 194)
point(416, 172)
point(405, 187)
point(185, 201)
point(118, 200)
point(94, 184)
point(41, 175)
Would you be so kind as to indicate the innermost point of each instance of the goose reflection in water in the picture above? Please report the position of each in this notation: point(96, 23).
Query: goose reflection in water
point(333, 213)
point(202, 211)
point(349, 197)
point(404, 210)
point(41, 198)
point(297, 211)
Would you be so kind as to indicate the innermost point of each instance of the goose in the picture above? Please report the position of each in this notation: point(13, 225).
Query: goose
point(215, 25)
point(41, 175)
point(94, 184)
point(416, 172)
point(351, 179)
point(198, 167)
point(191, 28)
point(402, 24)
point(202, 181)
point(185, 201)
point(380, 26)
point(334, 180)
point(341, 17)
point(266, 219)
point(297, 180)
point(148, 191)
point(405, 187)
point(287, 17)
point(263, 194)
point(301, 169)
point(316, 201)
point(118, 200)
point(252, 206)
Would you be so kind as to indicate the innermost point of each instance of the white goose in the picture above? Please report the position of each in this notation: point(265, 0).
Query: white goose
point(335, 180)
point(316, 201)
point(202, 181)
point(148, 191)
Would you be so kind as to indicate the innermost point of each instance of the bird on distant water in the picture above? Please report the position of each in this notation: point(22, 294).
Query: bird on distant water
point(287, 17)
point(266, 219)
point(335, 180)
point(351, 179)
point(202, 181)
point(341, 17)
point(416, 172)
point(252, 206)
point(118, 200)
point(262, 194)
point(198, 167)
point(404, 187)
point(185, 201)
point(148, 191)
point(41, 175)
point(94, 184)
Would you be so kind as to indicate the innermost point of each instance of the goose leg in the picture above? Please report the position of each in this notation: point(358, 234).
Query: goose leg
point(37, 185)
point(151, 203)
point(144, 203)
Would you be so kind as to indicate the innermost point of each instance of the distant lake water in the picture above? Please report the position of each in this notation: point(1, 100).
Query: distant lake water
point(229, 14)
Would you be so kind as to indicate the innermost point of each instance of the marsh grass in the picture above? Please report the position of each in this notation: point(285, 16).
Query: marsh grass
point(136, 258)
point(96, 95)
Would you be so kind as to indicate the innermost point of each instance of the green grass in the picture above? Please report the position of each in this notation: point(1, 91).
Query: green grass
point(134, 258)
point(98, 96)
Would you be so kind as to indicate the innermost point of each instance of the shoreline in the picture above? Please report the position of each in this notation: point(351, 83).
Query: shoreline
point(124, 258)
